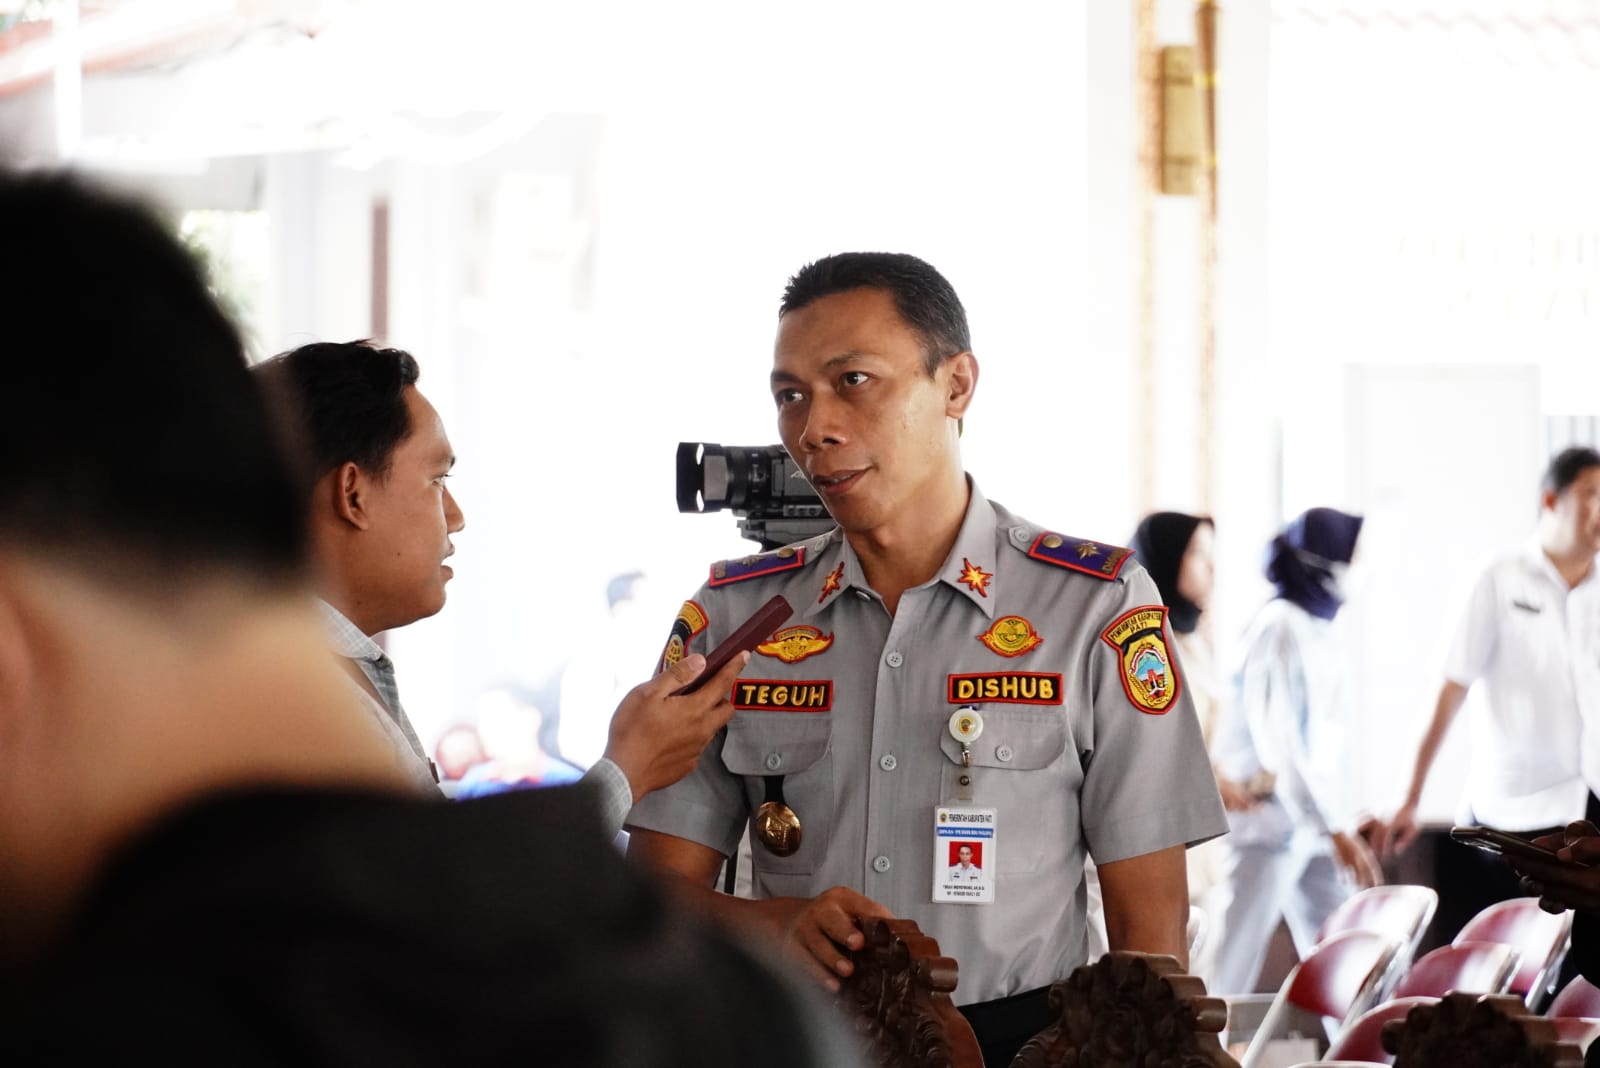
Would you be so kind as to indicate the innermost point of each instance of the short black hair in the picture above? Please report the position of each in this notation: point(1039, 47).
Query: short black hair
point(139, 445)
point(349, 400)
point(923, 297)
point(1565, 467)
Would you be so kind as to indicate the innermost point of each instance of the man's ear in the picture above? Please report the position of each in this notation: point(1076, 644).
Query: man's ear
point(347, 488)
point(961, 382)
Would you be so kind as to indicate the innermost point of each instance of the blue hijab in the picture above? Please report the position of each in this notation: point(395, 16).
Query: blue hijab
point(1299, 559)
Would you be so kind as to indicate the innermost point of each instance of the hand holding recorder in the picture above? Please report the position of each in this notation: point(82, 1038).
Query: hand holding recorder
point(662, 726)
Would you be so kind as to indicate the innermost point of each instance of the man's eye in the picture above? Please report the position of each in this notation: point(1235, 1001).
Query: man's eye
point(786, 397)
point(854, 378)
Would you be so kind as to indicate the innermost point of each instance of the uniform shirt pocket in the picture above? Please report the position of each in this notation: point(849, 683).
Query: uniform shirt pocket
point(1017, 770)
point(796, 746)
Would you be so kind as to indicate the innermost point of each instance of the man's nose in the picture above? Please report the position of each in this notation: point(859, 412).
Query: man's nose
point(455, 522)
point(824, 423)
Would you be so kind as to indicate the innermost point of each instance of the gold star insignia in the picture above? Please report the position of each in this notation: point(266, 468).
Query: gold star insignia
point(1087, 549)
point(976, 578)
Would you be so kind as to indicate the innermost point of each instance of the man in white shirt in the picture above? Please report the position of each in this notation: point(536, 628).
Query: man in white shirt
point(1531, 636)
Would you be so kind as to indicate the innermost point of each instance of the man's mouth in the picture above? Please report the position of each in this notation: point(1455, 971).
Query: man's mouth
point(831, 485)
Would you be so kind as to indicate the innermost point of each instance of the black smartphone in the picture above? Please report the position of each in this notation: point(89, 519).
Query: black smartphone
point(751, 633)
point(1511, 845)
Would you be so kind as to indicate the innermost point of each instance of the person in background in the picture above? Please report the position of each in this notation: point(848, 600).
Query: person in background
point(510, 724)
point(207, 853)
point(457, 749)
point(602, 671)
point(1528, 636)
point(1297, 854)
point(1177, 550)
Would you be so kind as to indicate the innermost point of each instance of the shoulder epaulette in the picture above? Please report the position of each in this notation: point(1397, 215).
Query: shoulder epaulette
point(727, 572)
point(1079, 554)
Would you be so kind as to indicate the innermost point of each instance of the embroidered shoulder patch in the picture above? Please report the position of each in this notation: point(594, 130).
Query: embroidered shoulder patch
point(727, 572)
point(1144, 660)
point(691, 621)
point(1079, 554)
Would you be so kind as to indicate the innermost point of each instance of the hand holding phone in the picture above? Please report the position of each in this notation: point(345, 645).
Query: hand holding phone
point(1506, 844)
point(751, 633)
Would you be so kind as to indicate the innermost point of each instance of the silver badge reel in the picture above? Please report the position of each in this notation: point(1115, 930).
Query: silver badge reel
point(966, 724)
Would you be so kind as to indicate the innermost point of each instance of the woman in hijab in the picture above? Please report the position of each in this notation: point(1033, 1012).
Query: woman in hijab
point(1297, 853)
point(1176, 549)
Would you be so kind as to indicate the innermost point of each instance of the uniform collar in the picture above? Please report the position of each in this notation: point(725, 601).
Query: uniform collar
point(1534, 556)
point(969, 569)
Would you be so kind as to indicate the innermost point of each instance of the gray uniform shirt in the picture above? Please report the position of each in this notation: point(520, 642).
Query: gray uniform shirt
point(852, 708)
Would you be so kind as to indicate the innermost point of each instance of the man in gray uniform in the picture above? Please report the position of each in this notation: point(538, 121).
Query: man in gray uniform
point(952, 673)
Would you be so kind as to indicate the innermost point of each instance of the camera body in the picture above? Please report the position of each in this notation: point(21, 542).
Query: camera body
point(758, 483)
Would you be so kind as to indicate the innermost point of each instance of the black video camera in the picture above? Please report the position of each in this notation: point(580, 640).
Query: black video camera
point(760, 484)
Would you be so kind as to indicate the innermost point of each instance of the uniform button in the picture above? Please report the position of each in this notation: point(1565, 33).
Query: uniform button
point(774, 761)
point(1004, 753)
point(887, 762)
point(862, 595)
point(894, 659)
point(880, 864)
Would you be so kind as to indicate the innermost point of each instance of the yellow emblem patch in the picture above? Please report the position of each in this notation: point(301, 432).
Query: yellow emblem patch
point(691, 621)
point(1010, 636)
point(794, 644)
point(1148, 676)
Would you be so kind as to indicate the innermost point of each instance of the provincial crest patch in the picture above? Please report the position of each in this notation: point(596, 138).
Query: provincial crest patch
point(794, 644)
point(1145, 661)
point(1010, 636)
point(691, 621)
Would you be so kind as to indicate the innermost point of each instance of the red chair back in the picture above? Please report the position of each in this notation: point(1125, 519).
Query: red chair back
point(1539, 936)
point(1401, 911)
point(1579, 998)
point(1362, 1040)
point(1470, 967)
point(1340, 978)
point(1333, 977)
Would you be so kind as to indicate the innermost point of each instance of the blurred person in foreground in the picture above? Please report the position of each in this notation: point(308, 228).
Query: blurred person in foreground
point(1297, 854)
point(382, 520)
point(206, 853)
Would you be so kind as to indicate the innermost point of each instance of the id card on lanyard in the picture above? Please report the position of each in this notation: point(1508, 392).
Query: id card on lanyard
point(964, 854)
